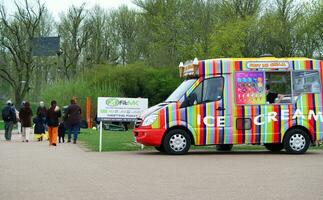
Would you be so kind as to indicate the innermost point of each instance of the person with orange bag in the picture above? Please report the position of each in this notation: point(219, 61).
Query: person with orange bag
point(53, 115)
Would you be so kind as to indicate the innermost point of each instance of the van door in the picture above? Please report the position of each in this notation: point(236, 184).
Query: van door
point(205, 112)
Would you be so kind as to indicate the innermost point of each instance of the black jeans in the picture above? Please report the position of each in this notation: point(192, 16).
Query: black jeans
point(8, 126)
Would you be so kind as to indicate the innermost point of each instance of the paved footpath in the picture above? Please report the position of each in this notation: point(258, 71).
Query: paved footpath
point(36, 171)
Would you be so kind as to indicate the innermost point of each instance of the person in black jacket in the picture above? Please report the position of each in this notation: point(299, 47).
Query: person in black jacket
point(9, 118)
point(25, 116)
point(61, 132)
point(74, 118)
point(39, 129)
point(53, 115)
point(271, 96)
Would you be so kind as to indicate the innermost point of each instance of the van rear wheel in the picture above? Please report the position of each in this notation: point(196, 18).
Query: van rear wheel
point(177, 142)
point(296, 141)
point(224, 147)
point(274, 147)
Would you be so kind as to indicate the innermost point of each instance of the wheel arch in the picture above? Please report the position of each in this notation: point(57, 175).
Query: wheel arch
point(302, 128)
point(182, 128)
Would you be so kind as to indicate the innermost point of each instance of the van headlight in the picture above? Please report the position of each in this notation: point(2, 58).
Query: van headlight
point(149, 120)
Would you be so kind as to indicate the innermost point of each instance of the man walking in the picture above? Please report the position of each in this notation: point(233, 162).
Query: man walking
point(9, 118)
point(73, 120)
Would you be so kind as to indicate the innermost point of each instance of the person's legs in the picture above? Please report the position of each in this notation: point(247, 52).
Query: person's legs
point(63, 135)
point(37, 136)
point(23, 133)
point(59, 138)
point(10, 127)
point(59, 135)
point(18, 127)
point(75, 131)
point(54, 135)
point(6, 130)
point(27, 132)
point(50, 135)
point(69, 134)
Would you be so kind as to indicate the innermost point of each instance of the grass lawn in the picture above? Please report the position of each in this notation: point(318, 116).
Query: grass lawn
point(124, 141)
point(111, 140)
point(1, 125)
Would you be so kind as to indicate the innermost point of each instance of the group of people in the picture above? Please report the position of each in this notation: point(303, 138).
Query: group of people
point(50, 120)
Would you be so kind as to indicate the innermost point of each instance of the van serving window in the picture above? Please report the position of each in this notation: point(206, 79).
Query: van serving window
point(278, 87)
point(274, 87)
point(306, 82)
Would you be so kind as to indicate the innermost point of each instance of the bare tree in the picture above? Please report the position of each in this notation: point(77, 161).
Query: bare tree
point(16, 35)
point(241, 8)
point(75, 33)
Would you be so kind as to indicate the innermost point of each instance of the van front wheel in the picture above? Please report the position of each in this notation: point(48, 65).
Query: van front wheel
point(177, 142)
point(296, 141)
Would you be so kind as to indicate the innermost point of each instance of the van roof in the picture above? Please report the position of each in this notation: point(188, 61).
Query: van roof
point(261, 59)
point(216, 66)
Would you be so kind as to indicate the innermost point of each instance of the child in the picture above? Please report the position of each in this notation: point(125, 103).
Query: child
point(39, 128)
point(61, 132)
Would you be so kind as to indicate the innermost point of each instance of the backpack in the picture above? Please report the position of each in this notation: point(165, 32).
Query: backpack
point(7, 114)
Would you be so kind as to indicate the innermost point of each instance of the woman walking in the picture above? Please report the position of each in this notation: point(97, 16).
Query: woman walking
point(25, 115)
point(53, 115)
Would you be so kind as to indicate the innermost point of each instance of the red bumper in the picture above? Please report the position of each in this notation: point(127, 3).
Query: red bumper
point(148, 137)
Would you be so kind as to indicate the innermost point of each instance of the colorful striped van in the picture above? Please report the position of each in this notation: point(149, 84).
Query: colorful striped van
point(275, 102)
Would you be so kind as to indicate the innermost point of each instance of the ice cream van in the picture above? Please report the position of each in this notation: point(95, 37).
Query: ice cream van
point(275, 102)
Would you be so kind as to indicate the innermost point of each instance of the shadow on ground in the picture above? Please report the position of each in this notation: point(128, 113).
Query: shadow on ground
point(242, 152)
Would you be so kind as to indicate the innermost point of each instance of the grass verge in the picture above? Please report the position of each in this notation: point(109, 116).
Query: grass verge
point(111, 140)
point(1, 125)
point(124, 141)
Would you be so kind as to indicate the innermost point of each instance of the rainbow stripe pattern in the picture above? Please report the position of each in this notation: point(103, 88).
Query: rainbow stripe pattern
point(269, 132)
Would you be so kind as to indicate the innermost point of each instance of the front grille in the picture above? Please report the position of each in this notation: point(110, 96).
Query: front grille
point(138, 122)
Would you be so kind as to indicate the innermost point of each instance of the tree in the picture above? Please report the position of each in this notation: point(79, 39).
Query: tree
point(75, 33)
point(15, 40)
point(239, 8)
point(309, 31)
point(229, 39)
point(101, 46)
point(235, 35)
point(163, 30)
point(124, 27)
point(317, 23)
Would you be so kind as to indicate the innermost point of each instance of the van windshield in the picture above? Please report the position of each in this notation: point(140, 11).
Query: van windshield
point(180, 91)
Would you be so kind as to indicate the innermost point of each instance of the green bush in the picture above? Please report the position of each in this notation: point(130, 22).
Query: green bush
point(135, 80)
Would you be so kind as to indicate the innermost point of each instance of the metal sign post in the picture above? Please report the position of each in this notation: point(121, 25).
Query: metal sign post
point(100, 139)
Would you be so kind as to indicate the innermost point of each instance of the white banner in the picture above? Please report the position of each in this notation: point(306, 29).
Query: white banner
point(267, 64)
point(120, 109)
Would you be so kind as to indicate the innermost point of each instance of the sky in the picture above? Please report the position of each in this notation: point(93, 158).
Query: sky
point(58, 6)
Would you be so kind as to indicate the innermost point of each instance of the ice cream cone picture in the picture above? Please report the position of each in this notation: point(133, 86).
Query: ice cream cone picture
point(249, 87)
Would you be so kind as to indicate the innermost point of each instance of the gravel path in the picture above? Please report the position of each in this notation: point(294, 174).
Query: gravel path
point(36, 171)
